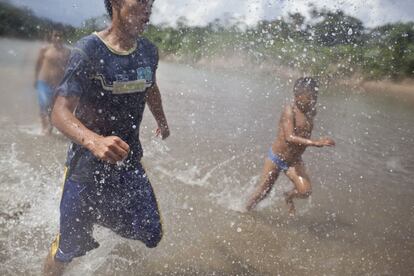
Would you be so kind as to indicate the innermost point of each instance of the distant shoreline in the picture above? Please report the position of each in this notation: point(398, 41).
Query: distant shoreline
point(403, 90)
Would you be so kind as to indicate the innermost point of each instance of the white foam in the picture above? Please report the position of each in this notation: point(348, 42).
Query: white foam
point(94, 259)
point(38, 224)
point(234, 197)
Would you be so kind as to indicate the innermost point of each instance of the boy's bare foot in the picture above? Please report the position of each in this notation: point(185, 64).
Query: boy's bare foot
point(290, 204)
point(248, 207)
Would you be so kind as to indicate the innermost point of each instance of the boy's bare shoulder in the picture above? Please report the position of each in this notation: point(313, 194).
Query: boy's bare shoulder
point(43, 49)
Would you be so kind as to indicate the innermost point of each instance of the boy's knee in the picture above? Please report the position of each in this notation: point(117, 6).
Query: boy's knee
point(154, 239)
point(304, 193)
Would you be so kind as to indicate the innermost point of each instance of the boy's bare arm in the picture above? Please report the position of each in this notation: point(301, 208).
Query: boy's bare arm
point(111, 149)
point(155, 105)
point(288, 127)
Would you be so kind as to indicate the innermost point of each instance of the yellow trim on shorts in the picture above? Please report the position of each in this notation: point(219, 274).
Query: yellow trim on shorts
point(55, 246)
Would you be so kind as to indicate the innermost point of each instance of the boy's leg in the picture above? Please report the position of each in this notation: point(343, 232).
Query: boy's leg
point(53, 267)
point(269, 176)
point(131, 209)
point(75, 237)
point(297, 174)
point(45, 95)
point(46, 124)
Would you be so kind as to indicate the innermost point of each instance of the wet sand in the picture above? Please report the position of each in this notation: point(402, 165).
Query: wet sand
point(359, 221)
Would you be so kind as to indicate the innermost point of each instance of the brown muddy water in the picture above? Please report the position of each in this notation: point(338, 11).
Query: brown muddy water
point(359, 220)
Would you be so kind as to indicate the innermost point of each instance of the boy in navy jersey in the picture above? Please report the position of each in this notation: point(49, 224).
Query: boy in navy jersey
point(109, 79)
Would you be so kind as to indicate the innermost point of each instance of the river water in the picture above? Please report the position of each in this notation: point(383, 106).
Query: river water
point(359, 220)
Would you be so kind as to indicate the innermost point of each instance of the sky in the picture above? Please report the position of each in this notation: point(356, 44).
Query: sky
point(201, 12)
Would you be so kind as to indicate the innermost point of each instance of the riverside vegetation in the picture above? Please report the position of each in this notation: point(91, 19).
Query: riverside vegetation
point(329, 44)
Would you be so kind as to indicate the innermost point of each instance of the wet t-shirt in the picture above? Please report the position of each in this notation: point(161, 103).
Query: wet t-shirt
point(111, 87)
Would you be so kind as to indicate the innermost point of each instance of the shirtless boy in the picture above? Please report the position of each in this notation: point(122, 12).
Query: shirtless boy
point(294, 136)
point(50, 67)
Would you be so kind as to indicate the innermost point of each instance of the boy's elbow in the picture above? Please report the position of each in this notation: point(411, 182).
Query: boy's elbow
point(289, 139)
point(61, 109)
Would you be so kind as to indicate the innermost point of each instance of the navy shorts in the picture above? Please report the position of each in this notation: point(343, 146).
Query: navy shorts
point(125, 204)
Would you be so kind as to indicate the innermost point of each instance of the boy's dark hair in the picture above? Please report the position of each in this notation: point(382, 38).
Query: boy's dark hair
point(108, 6)
point(305, 84)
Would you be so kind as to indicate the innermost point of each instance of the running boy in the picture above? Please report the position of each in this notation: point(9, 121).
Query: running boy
point(99, 106)
point(285, 155)
point(50, 67)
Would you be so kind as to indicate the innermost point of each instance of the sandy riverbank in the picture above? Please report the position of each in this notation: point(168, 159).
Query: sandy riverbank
point(403, 89)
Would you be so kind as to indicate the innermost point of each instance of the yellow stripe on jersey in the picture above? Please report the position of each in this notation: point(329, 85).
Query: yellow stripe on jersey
point(130, 87)
point(124, 87)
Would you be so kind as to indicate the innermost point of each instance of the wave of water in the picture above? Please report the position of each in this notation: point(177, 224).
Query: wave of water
point(28, 193)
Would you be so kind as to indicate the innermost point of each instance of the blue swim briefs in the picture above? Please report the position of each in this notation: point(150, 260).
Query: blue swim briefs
point(278, 161)
point(124, 203)
point(45, 96)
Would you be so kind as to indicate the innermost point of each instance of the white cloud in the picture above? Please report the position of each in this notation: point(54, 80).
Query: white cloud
point(199, 12)
point(371, 12)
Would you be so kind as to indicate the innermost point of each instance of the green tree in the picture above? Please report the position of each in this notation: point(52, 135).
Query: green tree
point(391, 51)
point(336, 28)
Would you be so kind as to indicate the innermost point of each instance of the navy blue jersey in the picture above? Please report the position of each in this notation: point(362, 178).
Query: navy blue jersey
point(111, 87)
